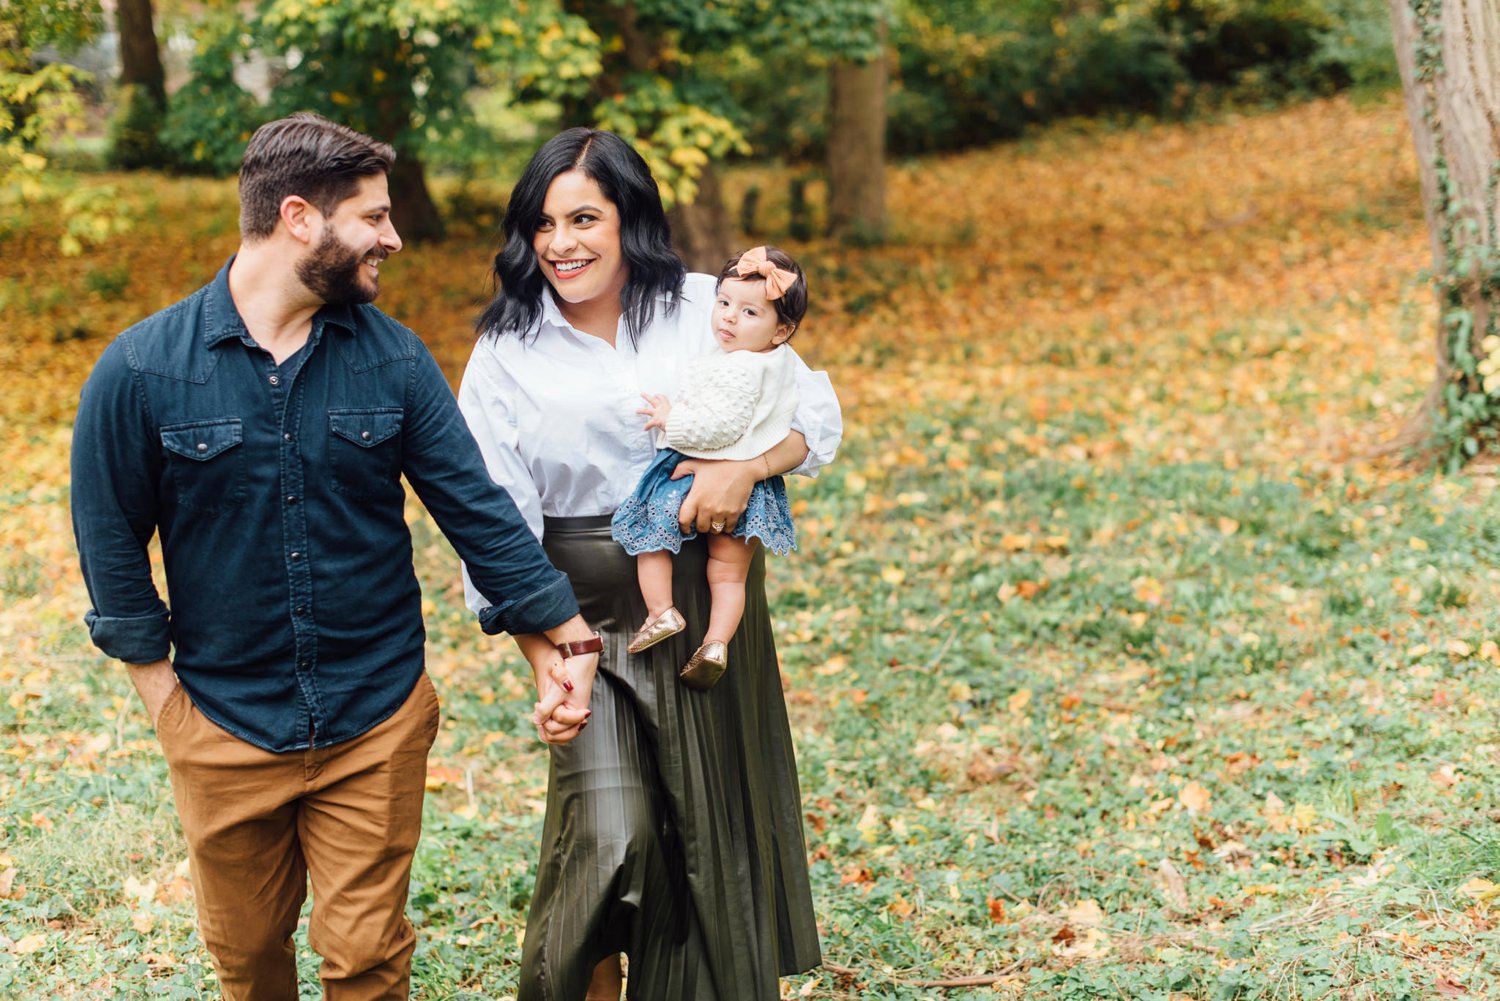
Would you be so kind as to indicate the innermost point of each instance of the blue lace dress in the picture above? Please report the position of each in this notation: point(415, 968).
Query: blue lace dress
point(647, 521)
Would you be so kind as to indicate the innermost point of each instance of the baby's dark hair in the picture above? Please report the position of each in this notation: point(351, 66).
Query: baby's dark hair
point(792, 306)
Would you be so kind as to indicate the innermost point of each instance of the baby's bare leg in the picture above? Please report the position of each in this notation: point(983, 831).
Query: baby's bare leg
point(654, 571)
point(728, 566)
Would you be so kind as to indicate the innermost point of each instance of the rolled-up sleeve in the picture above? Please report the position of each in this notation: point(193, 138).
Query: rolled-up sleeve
point(116, 469)
point(818, 417)
point(519, 590)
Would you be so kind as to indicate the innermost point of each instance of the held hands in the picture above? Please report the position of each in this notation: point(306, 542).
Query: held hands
point(656, 409)
point(721, 489)
point(563, 689)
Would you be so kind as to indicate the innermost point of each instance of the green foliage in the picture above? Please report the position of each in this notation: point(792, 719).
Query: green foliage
point(677, 137)
point(401, 71)
point(134, 129)
point(669, 76)
point(212, 117)
point(967, 74)
point(40, 107)
point(1357, 49)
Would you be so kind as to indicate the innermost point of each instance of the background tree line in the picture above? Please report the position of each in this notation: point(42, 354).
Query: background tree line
point(831, 83)
point(825, 86)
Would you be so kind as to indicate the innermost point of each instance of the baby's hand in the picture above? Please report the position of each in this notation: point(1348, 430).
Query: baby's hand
point(657, 408)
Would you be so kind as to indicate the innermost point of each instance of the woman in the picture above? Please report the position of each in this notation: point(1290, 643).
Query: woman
point(673, 829)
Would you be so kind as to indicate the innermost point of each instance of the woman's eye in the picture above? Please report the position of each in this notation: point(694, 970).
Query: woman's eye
point(544, 226)
point(583, 220)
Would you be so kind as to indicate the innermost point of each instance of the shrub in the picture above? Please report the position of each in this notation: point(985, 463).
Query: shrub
point(134, 130)
point(212, 118)
point(964, 74)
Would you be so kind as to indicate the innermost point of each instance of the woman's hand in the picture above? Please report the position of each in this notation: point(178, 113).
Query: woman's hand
point(563, 688)
point(657, 408)
point(561, 715)
point(721, 489)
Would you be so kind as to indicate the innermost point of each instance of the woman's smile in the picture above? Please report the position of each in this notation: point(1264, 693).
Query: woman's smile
point(568, 270)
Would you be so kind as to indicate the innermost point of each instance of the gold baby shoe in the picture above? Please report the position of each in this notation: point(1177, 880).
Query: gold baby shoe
point(668, 623)
point(706, 666)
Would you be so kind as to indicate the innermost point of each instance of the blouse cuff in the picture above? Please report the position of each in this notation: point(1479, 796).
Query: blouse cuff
point(820, 421)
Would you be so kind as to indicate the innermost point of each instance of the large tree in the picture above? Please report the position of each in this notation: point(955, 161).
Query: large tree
point(142, 103)
point(1449, 55)
point(140, 57)
point(658, 88)
point(858, 86)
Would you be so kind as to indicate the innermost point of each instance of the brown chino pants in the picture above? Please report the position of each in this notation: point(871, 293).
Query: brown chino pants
point(259, 824)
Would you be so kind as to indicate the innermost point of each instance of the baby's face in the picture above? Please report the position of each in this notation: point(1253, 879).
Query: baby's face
point(744, 319)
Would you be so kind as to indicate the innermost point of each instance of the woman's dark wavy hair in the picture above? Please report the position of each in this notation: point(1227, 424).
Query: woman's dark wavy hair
point(645, 235)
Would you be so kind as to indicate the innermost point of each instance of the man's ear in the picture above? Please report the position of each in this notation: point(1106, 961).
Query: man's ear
point(299, 215)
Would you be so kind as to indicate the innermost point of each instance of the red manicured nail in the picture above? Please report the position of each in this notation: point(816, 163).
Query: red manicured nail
point(587, 714)
point(567, 685)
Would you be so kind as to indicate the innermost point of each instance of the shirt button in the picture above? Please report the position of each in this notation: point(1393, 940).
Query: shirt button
point(286, 436)
point(365, 435)
point(203, 446)
point(301, 609)
point(275, 380)
point(296, 556)
point(291, 498)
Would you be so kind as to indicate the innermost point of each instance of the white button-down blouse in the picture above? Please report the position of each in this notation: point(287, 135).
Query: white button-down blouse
point(555, 414)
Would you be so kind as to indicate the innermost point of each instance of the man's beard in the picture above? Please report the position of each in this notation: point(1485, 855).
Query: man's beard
point(331, 272)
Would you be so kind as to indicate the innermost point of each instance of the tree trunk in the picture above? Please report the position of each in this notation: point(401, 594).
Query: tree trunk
point(856, 149)
point(140, 58)
point(413, 211)
point(1449, 57)
point(701, 233)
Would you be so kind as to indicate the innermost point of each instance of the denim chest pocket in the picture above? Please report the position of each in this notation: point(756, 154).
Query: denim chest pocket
point(364, 450)
point(206, 462)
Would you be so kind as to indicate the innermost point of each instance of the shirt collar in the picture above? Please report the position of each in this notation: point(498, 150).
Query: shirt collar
point(222, 319)
point(551, 315)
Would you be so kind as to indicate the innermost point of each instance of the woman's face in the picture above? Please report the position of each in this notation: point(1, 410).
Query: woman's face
point(577, 242)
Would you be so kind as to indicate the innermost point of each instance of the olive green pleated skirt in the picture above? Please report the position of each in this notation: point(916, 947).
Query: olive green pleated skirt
point(674, 821)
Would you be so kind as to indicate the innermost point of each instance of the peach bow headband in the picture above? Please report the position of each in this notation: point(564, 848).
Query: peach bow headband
point(755, 262)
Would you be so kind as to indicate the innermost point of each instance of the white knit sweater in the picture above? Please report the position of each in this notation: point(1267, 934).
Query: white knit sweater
point(734, 404)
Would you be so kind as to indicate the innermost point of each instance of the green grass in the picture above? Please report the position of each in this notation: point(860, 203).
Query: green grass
point(1116, 666)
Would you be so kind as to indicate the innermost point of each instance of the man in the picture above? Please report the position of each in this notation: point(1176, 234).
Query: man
point(261, 426)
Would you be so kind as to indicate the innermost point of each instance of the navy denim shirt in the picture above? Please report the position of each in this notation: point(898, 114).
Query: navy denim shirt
point(295, 613)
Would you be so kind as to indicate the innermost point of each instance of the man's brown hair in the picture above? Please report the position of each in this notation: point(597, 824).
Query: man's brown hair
point(307, 155)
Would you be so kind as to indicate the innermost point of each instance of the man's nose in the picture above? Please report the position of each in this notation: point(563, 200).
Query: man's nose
point(390, 239)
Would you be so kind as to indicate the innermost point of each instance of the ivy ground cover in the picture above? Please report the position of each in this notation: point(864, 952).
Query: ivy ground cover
point(1120, 664)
